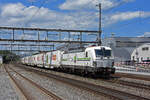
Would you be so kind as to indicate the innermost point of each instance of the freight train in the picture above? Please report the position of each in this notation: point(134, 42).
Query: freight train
point(96, 60)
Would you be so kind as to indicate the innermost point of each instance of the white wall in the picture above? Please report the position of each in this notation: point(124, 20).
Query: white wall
point(141, 53)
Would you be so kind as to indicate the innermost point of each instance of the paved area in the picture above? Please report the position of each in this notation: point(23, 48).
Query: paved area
point(7, 92)
point(132, 70)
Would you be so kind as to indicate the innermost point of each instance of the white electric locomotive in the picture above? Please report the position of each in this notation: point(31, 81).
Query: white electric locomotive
point(97, 60)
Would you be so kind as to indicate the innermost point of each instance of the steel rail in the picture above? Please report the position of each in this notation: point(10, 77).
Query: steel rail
point(119, 95)
point(132, 76)
point(63, 80)
point(127, 83)
point(17, 85)
point(55, 97)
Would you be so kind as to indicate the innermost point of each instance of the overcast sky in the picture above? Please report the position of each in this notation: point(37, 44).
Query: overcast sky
point(122, 17)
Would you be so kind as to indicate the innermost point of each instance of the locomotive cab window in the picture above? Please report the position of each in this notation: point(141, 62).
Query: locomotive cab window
point(100, 52)
point(145, 49)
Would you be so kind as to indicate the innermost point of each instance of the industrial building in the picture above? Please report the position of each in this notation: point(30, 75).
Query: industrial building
point(124, 46)
point(142, 53)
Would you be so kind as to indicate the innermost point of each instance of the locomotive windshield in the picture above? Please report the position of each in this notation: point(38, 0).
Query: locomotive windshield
point(102, 52)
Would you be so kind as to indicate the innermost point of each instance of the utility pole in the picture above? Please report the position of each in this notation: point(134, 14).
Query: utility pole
point(100, 30)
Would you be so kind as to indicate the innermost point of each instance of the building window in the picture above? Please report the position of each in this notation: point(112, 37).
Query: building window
point(145, 48)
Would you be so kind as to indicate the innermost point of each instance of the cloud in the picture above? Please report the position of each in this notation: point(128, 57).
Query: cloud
point(91, 4)
point(19, 15)
point(146, 34)
point(130, 15)
point(123, 16)
point(16, 14)
point(32, 0)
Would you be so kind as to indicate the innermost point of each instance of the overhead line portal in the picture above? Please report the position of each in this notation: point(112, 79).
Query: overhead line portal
point(42, 29)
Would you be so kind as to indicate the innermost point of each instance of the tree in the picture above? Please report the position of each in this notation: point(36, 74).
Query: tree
point(8, 56)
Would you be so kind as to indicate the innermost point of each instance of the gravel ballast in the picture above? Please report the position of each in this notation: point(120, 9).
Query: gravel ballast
point(64, 91)
point(128, 89)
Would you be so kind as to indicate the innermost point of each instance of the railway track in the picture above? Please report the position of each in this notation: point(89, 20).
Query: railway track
point(131, 84)
point(97, 89)
point(23, 89)
point(133, 76)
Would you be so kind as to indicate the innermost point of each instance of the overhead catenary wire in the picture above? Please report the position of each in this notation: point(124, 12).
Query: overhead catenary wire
point(44, 1)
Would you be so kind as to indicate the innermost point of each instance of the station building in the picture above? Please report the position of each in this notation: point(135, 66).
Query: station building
point(123, 47)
